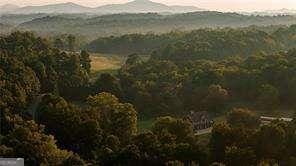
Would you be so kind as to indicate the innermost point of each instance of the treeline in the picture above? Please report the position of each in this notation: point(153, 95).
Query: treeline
point(203, 43)
point(133, 43)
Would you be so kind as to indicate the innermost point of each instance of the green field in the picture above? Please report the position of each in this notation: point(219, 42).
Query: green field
point(105, 63)
point(108, 63)
point(145, 124)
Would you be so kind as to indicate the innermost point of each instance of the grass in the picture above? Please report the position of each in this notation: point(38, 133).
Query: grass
point(144, 125)
point(108, 63)
point(105, 63)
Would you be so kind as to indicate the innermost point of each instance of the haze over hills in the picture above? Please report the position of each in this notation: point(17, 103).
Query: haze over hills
point(283, 11)
point(137, 6)
point(54, 8)
point(119, 24)
point(144, 6)
point(8, 8)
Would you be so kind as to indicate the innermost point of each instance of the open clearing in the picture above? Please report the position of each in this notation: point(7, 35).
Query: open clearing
point(106, 62)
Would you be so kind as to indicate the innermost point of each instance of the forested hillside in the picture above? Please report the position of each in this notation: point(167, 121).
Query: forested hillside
point(120, 24)
point(15, 19)
point(4, 28)
point(202, 43)
point(52, 114)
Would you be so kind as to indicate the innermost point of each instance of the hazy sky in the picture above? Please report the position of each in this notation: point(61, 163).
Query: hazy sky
point(225, 5)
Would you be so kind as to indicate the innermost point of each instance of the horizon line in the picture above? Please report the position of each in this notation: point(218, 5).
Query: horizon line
point(93, 6)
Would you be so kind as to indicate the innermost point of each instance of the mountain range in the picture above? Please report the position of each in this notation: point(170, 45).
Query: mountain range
point(8, 8)
point(136, 6)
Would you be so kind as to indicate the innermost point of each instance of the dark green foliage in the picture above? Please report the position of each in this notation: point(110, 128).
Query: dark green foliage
point(200, 72)
point(145, 85)
point(28, 140)
point(264, 81)
point(243, 143)
point(216, 99)
point(133, 43)
point(178, 130)
point(217, 44)
point(239, 117)
point(268, 97)
point(108, 83)
point(115, 118)
point(57, 71)
point(287, 36)
point(73, 130)
point(29, 66)
point(240, 156)
point(197, 44)
point(18, 84)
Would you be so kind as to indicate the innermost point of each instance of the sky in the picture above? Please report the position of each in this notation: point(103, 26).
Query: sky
point(220, 5)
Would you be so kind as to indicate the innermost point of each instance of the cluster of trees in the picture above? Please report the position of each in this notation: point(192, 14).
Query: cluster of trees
point(217, 44)
point(202, 43)
point(242, 141)
point(38, 124)
point(133, 43)
point(105, 133)
point(38, 82)
point(55, 71)
point(68, 42)
point(262, 81)
point(30, 67)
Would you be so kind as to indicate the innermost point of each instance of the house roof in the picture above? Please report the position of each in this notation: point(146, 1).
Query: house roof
point(197, 116)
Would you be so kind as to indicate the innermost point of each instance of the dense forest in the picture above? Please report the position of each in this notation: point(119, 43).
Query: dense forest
point(52, 114)
point(93, 26)
point(204, 43)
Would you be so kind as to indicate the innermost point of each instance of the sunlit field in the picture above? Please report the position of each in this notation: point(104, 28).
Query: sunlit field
point(101, 62)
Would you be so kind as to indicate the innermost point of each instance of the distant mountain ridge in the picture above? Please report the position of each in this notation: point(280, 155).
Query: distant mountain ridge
point(283, 11)
point(145, 6)
point(54, 8)
point(119, 24)
point(8, 8)
point(136, 6)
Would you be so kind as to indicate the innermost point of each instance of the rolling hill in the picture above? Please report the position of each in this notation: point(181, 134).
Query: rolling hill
point(119, 24)
point(54, 8)
point(145, 6)
point(137, 6)
point(8, 8)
